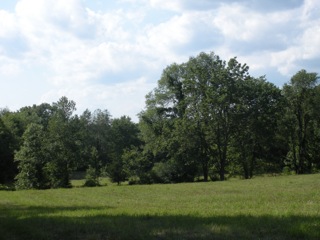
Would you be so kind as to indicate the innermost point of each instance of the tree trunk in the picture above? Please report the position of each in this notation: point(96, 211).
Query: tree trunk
point(245, 169)
point(205, 172)
point(223, 163)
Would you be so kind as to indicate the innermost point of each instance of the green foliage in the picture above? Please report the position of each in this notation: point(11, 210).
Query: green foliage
point(32, 160)
point(27, 177)
point(163, 172)
point(62, 144)
point(7, 165)
point(94, 171)
point(92, 177)
point(287, 170)
point(100, 135)
point(138, 165)
point(207, 119)
point(204, 110)
point(49, 151)
point(301, 123)
point(124, 135)
point(256, 126)
point(116, 171)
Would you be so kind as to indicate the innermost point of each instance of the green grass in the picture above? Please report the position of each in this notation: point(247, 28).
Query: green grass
point(284, 207)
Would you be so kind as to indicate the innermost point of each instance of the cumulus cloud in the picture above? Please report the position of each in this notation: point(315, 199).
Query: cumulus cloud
point(304, 44)
point(7, 24)
point(124, 98)
point(8, 67)
point(111, 57)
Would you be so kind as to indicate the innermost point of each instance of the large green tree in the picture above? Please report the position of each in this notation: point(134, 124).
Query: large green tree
point(159, 124)
point(191, 116)
point(101, 134)
point(62, 142)
point(211, 114)
point(32, 159)
point(301, 95)
point(125, 134)
point(211, 87)
point(257, 114)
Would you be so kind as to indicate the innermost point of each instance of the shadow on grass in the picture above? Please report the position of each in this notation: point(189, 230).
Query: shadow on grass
point(18, 222)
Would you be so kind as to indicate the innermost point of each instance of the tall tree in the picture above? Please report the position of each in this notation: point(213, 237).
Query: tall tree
point(32, 159)
point(300, 94)
point(257, 115)
point(191, 114)
point(124, 135)
point(101, 134)
point(7, 165)
point(160, 122)
point(62, 142)
point(211, 85)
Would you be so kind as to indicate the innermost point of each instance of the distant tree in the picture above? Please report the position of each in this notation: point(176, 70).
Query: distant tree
point(162, 125)
point(100, 135)
point(44, 113)
point(7, 165)
point(257, 118)
point(32, 160)
point(211, 85)
point(301, 96)
point(62, 144)
point(190, 116)
point(124, 135)
point(15, 123)
point(93, 172)
point(138, 165)
point(211, 115)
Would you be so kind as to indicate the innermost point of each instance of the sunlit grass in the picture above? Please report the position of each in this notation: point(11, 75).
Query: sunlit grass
point(284, 207)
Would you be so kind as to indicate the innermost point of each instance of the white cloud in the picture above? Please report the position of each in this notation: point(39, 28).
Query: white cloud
point(119, 99)
point(232, 28)
point(7, 24)
point(165, 37)
point(166, 4)
point(187, 5)
point(8, 67)
point(276, 39)
point(304, 45)
point(111, 58)
point(311, 40)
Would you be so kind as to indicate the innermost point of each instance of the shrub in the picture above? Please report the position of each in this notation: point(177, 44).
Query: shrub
point(162, 172)
point(92, 177)
point(286, 170)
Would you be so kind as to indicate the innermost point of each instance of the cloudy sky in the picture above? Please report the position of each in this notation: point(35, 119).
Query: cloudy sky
point(109, 54)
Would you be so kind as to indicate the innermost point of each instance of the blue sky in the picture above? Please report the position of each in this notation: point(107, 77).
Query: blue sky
point(110, 54)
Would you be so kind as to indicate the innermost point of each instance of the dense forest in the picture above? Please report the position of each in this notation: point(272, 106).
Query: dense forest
point(207, 119)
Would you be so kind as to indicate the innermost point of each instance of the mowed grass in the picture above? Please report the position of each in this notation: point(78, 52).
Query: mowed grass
point(284, 207)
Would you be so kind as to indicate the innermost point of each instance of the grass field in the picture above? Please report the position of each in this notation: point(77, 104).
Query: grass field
point(284, 207)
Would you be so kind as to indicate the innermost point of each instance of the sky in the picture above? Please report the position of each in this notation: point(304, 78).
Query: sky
point(108, 54)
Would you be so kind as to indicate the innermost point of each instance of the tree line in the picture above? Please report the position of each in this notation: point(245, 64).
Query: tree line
point(45, 144)
point(206, 119)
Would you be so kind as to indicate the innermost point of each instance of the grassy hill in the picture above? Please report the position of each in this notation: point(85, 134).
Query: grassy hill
point(284, 207)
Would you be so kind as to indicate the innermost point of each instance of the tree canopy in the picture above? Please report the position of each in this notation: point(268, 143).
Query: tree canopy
point(207, 119)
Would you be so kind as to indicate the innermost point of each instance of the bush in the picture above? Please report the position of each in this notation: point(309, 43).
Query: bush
point(117, 172)
point(286, 170)
point(214, 174)
point(162, 172)
point(7, 187)
point(145, 178)
point(92, 177)
point(133, 180)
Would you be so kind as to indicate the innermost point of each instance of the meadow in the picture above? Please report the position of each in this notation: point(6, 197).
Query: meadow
point(282, 207)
